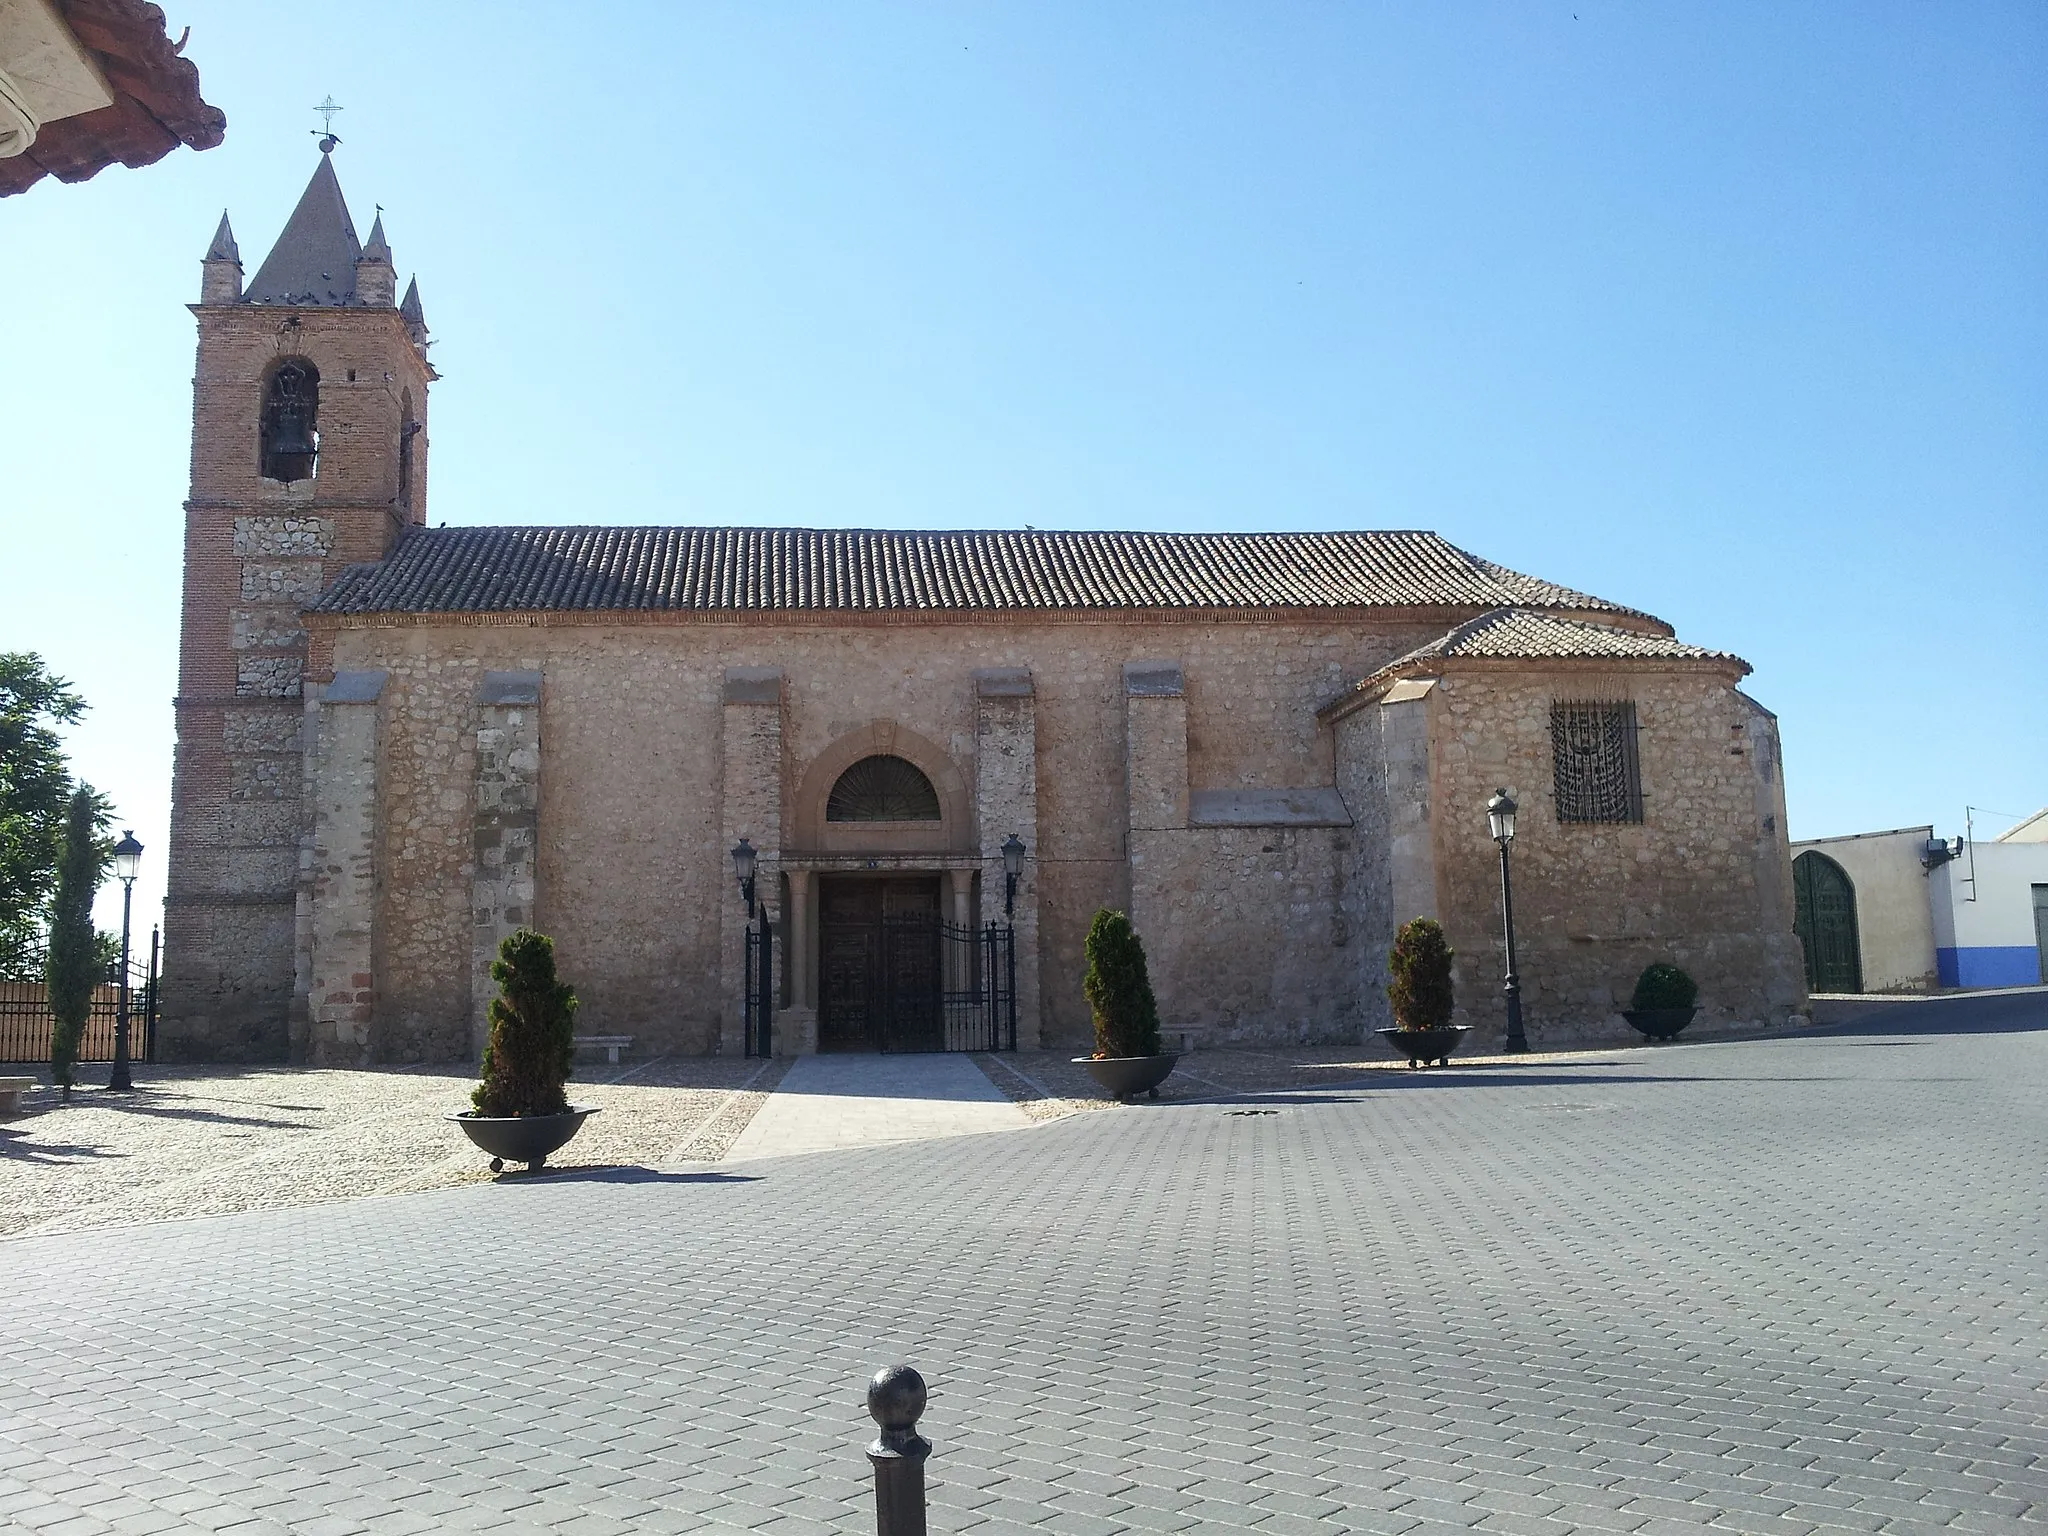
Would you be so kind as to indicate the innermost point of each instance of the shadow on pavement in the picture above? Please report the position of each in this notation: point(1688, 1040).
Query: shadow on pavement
point(622, 1174)
point(1999, 1014)
point(12, 1146)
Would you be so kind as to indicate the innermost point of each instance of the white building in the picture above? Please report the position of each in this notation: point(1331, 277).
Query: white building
point(1901, 911)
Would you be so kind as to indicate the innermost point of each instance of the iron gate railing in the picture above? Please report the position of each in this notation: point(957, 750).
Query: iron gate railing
point(945, 988)
point(25, 1011)
point(758, 1029)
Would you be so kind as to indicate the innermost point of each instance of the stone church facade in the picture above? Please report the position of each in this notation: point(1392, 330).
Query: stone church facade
point(398, 743)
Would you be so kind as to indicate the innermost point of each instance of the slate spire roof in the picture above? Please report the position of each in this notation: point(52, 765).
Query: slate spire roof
point(540, 569)
point(314, 260)
point(410, 312)
point(224, 247)
point(377, 248)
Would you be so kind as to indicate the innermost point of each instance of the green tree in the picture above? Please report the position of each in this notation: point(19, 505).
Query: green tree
point(75, 966)
point(1421, 967)
point(1119, 988)
point(35, 787)
point(533, 1024)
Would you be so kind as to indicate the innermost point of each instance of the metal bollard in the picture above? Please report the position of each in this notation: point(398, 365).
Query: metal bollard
point(895, 1400)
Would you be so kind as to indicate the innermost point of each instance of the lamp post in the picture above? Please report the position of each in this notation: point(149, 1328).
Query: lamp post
point(743, 857)
point(1013, 866)
point(1500, 822)
point(127, 865)
point(759, 981)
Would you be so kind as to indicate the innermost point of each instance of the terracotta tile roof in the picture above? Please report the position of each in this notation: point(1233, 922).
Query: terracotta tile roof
point(156, 106)
point(497, 570)
point(1518, 634)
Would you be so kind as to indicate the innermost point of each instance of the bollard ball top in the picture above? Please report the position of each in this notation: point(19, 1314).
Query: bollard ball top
point(896, 1397)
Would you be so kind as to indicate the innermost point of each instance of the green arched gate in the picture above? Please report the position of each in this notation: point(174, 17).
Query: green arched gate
point(1825, 920)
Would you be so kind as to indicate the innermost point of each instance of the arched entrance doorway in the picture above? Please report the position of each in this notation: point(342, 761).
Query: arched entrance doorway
point(1824, 917)
point(884, 876)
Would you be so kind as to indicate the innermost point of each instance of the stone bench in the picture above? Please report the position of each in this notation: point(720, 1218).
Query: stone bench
point(11, 1090)
point(611, 1045)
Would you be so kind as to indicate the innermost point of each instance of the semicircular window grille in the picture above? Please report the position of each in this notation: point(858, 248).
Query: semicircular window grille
point(883, 788)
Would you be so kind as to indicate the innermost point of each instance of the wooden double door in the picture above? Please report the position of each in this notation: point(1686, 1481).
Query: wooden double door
point(881, 967)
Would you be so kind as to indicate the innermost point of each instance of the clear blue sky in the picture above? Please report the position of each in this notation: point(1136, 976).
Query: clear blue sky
point(1731, 312)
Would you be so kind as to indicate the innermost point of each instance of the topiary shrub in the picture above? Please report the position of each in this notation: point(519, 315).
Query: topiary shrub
point(1119, 990)
point(74, 962)
point(1420, 963)
point(532, 1043)
point(1663, 986)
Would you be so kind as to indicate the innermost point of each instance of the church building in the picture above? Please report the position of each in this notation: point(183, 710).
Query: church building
point(936, 754)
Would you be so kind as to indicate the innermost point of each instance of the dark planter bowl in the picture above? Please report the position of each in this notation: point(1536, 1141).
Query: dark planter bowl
point(1128, 1076)
point(1422, 1046)
point(524, 1139)
point(1659, 1023)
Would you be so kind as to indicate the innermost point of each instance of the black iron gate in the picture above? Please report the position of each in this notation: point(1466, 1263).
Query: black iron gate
point(25, 1009)
point(939, 987)
point(759, 1026)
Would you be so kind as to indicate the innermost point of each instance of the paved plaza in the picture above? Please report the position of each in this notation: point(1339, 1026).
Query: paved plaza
point(1776, 1285)
point(828, 1103)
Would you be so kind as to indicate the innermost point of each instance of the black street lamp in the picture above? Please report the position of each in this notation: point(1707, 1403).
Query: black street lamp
point(127, 865)
point(1500, 822)
point(758, 965)
point(743, 857)
point(1013, 866)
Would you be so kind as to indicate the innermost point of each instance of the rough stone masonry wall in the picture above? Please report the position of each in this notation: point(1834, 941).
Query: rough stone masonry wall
point(633, 874)
point(1698, 882)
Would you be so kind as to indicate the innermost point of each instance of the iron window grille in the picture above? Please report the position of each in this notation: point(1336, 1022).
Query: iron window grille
point(883, 788)
point(1593, 748)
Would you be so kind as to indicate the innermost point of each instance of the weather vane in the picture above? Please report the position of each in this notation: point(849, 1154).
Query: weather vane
point(327, 108)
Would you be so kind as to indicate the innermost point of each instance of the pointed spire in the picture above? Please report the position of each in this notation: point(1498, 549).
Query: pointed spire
point(314, 260)
point(223, 247)
point(220, 274)
point(410, 312)
point(376, 283)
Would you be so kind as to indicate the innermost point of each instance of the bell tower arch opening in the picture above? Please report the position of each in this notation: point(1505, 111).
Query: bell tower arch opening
point(290, 430)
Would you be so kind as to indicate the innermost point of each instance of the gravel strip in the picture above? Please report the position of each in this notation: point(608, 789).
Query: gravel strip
point(206, 1141)
point(721, 1128)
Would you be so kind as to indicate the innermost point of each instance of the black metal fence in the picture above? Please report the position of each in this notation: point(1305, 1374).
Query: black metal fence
point(946, 988)
point(25, 1011)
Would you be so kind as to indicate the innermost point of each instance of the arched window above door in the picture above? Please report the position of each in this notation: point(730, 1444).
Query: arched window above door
point(883, 788)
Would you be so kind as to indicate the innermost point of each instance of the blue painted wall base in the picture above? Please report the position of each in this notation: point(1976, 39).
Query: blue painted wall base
point(2014, 965)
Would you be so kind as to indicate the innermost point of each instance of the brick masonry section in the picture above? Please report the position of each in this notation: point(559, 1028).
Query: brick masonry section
point(236, 984)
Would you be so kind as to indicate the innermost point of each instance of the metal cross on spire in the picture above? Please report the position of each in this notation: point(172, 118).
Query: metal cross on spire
point(327, 108)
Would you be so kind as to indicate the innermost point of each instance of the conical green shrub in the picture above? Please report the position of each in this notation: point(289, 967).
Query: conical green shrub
point(1119, 990)
point(74, 962)
point(1420, 963)
point(533, 1023)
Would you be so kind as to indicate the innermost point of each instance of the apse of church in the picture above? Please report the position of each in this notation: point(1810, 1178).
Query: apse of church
point(399, 743)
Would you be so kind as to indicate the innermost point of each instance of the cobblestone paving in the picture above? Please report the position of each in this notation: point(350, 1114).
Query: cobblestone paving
point(1786, 1285)
point(206, 1141)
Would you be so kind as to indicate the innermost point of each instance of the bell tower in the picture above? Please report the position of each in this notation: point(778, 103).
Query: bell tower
point(309, 453)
